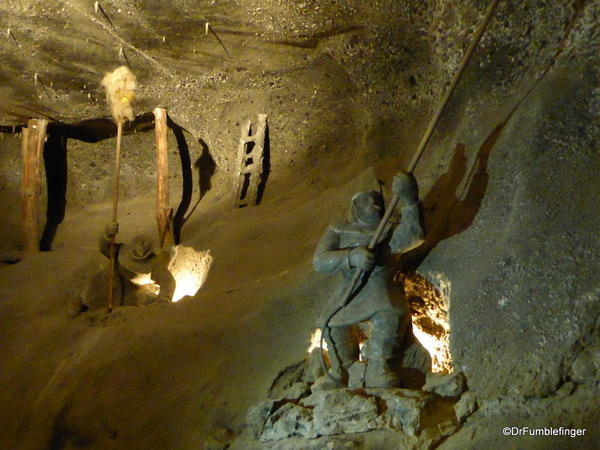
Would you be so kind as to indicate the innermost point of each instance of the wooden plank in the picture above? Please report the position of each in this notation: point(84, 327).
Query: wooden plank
point(34, 137)
point(165, 223)
point(162, 159)
point(164, 214)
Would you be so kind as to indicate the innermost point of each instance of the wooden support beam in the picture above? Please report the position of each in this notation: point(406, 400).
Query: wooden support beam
point(164, 213)
point(32, 146)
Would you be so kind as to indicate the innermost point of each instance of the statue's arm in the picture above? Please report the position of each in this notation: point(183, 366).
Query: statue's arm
point(106, 239)
point(409, 233)
point(328, 256)
point(104, 244)
point(162, 276)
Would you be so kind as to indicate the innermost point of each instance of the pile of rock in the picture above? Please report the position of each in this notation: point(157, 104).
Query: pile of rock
point(304, 404)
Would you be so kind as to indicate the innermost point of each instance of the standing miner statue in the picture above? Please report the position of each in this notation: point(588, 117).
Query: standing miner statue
point(376, 298)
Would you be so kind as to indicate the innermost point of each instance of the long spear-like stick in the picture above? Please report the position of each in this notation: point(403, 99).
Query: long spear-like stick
point(120, 86)
point(358, 273)
point(115, 200)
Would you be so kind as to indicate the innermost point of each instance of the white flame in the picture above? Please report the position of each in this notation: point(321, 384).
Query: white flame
point(142, 279)
point(437, 349)
point(315, 339)
point(190, 269)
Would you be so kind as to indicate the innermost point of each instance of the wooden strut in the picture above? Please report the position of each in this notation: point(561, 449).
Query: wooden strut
point(111, 271)
point(358, 273)
point(32, 145)
point(164, 213)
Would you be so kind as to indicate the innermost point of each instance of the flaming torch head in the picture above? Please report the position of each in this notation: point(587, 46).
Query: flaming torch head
point(120, 91)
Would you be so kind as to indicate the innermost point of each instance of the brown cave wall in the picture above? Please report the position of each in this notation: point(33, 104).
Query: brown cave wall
point(345, 85)
point(89, 178)
point(519, 276)
point(523, 275)
point(10, 195)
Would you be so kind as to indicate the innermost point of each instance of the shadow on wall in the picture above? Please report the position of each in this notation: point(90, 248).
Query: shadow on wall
point(445, 213)
point(55, 161)
point(186, 179)
point(206, 166)
point(265, 169)
point(206, 169)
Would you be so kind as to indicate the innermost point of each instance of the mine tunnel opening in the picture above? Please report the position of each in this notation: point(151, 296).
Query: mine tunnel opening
point(55, 162)
point(428, 306)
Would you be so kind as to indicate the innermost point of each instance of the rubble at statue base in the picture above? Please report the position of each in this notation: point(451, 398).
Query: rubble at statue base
point(305, 403)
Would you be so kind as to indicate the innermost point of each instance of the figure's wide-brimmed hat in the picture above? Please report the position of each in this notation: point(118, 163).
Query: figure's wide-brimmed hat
point(137, 255)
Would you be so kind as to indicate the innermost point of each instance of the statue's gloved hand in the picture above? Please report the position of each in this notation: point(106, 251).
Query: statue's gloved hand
point(362, 258)
point(111, 229)
point(405, 186)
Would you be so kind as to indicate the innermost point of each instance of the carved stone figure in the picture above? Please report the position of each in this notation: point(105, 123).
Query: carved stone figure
point(377, 299)
point(138, 259)
point(137, 265)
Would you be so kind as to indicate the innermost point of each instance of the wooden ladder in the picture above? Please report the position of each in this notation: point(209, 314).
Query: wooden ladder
point(250, 160)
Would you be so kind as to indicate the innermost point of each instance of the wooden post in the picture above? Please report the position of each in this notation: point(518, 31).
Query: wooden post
point(32, 147)
point(164, 214)
point(115, 205)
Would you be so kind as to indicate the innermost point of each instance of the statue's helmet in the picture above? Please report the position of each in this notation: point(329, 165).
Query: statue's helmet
point(141, 247)
point(137, 255)
point(367, 207)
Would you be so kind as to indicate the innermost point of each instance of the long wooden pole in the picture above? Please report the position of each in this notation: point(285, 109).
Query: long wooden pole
point(111, 271)
point(457, 77)
point(33, 138)
point(164, 213)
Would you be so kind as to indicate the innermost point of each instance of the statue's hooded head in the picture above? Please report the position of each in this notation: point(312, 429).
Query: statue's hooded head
point(367, 208)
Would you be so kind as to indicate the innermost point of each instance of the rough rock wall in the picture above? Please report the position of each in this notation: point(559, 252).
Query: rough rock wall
point(524, 277)
point(10, 182)
point(484, 219)
point(345, 84)
point(339, 80)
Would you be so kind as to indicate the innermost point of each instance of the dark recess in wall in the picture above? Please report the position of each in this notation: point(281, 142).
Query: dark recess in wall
point(96, 130)
point(266, 168)
point(55, 161)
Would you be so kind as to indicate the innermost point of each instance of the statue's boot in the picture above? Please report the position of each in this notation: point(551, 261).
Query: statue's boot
point(380, 349)
point(343, 351)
